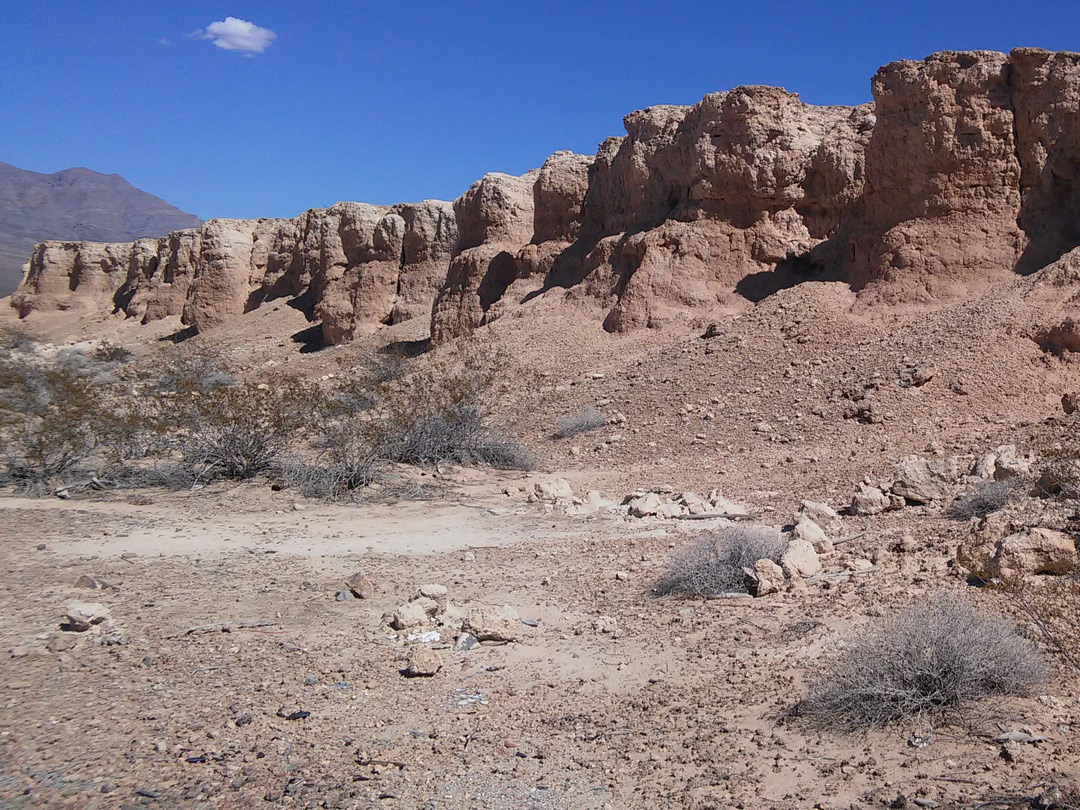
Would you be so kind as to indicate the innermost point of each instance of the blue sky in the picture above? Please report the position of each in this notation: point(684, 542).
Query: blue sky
point(394, 102)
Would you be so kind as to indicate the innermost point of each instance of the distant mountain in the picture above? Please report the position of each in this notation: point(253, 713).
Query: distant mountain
point(75, 204)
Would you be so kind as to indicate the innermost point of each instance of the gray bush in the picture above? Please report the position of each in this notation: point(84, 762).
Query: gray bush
point(457, 434)
point(920, 662)
point(716, 562)
point(986, 498)
point(580, 422)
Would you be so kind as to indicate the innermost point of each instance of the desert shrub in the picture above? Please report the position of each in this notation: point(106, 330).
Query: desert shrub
point(51, 420)
point(717, 562)
point(920, 662)
point(456, 434)
point(106, 352)
point(580, 422)
point(986, 498)
point(184, 369)
point(241, 431)
point(439, 412)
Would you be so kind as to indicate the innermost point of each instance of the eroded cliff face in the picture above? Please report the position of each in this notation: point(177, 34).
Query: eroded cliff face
point(363, 265)
point(964, 170)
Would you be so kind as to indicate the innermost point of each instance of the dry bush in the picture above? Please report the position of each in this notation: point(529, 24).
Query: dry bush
point(243, 430)
point(717, 562)
point(52, 419)
point(440, 412)
point(106, 352)
point(580, 422)
point(921, 662)
point(986, 498)
point(186, 369)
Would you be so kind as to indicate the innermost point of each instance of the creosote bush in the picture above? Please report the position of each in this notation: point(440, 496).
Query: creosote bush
point(717, 562)
point(921, 662)
point(580, 422)
point(986, 498)
point(182, 418)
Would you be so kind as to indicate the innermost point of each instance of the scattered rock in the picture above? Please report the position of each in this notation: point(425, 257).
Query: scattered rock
point(770, 577)
point(361, 586)
point(807, 529)
point(1021, 554)
point(94, 584)
point(622, 576)
point(1009, 463)
point(81, 616)
point(1070, 403)
point(426, 594)
point(409, 615)
point(466, 641)
point(822, 514)
point(345, 595)
point(646, 506)
point(606, 625)
point(869, 501)
point(558, 490)
point(917, 375)
point(800, 559)
point(921, 480)
point(492, 624)
point(423, 663)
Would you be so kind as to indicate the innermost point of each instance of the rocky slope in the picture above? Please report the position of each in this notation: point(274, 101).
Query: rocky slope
point(960, 174)
point(73, 204)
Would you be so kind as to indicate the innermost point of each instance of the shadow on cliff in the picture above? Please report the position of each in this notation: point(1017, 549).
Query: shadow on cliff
point(792, 271)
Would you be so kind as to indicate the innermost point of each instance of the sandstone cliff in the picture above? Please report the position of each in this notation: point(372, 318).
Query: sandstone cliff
point(962, 172)
point(364, 266)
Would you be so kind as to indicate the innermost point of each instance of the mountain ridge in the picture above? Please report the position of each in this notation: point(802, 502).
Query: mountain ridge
point(74, 204)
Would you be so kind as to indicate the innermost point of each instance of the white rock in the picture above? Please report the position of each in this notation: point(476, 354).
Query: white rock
point(800, 559)
point(554, 491)
point(869, 500)
point(770, 577)
point(808, 530)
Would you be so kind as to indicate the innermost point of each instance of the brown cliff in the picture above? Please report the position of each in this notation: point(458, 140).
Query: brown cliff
point(961, 173)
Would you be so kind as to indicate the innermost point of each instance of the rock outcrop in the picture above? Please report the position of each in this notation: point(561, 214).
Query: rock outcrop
point(364, 266)
point(961, 173)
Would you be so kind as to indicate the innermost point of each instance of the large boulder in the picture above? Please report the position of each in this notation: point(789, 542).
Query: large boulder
point(1018, 555)
point(921, 480)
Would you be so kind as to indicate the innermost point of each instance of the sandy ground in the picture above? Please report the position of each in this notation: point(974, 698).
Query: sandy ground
point(223, 623)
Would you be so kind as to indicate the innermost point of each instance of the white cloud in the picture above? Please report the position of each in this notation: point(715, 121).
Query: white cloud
point(232, 34)
point(163, 41)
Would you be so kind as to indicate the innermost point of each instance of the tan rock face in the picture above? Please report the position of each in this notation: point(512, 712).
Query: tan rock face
point(495, 221)
point(943, 179)
point(366, 265)
point(962, 173)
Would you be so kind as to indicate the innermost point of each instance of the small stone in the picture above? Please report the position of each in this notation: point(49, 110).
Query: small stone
point(1070, 403)
point(90, 582)
point(492, 624)
point(423, 663)
point(622, 576)
point(770, 577)
point(868, 501)
point(800, 559)
point(466, 641)
point(311, 680)
point(345, 595)
point(1010, 751)
point(361, 586)
point(807, 529)
point(81, 616)
point(409, 615)
point(557, 490)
